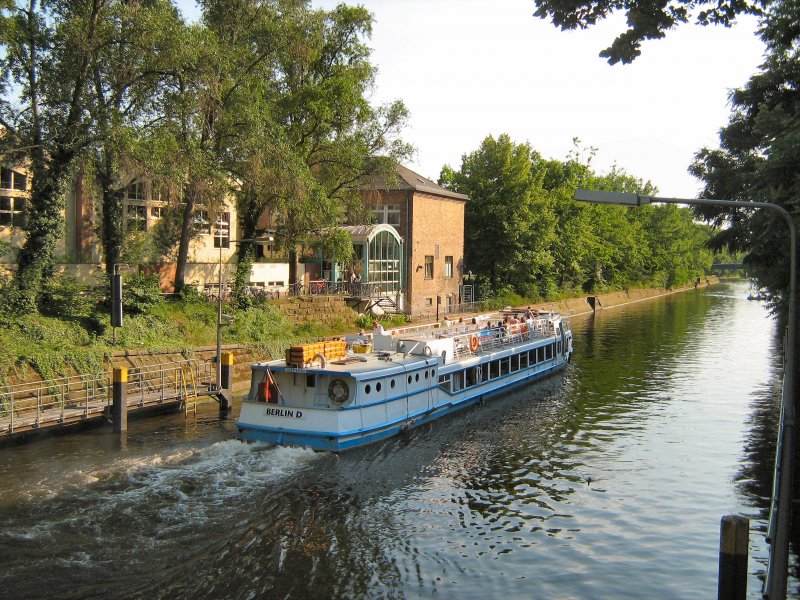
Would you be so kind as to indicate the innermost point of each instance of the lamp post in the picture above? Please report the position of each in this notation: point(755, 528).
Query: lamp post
point(778, 530)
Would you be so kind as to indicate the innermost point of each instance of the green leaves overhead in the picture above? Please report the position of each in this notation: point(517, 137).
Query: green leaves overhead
point(759, 155)
point(646, 20)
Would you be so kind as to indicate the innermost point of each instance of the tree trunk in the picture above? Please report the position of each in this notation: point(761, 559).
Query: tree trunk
point(45, 227)
point(183, 245)
point(112, 216)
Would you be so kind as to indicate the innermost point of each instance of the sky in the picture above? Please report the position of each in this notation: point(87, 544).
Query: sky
point(467, 69)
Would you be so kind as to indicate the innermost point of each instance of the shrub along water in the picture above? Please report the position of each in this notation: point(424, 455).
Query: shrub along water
point(72, 330)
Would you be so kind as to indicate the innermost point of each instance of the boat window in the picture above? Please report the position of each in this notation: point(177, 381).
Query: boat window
point(391, 383)
point(426, 374)
point(433, 372)
point(515, 363)
point(523, 360)
point(558, 347)
point(505, 365)
point(416, 377)
point(540, 354)
point(311, 380)
point(458, 381)
point(367, 389)
point(409, 379)
point(473, 376)
point(378, 387)
point(444, 382)
point(494, 370)
point(532, 357)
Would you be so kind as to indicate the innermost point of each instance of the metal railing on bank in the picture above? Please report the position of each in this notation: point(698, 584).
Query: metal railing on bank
point(68, 400)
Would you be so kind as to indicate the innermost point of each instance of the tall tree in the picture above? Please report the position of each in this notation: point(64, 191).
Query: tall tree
point(508, 221)
point(333, 140)
point(45, 111)
point(759, 155)
point(130, 78)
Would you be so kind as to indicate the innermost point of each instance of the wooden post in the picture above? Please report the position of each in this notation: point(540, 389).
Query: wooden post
point(120, 393)
point(734, 538)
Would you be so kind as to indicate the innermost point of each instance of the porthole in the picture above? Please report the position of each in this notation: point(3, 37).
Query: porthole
point(416, 377)
point(433, 372)
point(391, 383)
point(367, 389)
point(409, 379)
point(426, 374)
point(378, 387)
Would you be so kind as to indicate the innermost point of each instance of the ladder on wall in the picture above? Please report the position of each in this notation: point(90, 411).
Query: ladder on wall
point(189, 394)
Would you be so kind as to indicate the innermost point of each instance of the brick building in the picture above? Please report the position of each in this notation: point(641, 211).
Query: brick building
point(430, 220)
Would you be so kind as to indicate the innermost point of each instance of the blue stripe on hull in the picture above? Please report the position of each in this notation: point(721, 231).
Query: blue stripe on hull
point(333, 443)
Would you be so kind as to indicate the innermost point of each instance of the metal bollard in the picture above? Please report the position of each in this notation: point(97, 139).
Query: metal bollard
point(227, 371)
point(120, 393)
point(734, 538)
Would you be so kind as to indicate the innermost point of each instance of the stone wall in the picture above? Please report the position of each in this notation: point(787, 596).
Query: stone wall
point(323, 309)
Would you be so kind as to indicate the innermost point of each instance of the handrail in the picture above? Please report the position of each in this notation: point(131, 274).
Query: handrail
point(31, 405)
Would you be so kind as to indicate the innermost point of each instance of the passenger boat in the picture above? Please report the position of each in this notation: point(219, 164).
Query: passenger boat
point(342, 394)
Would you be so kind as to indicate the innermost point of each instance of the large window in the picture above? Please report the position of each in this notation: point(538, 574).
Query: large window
point(12, 180)
point(137, 217)
point(428, 267)
point(383, 262)
point(222, 231)
point(12, 211)
point(387, 213)
point(201, 222)
point(448, 266)
point(135, 191)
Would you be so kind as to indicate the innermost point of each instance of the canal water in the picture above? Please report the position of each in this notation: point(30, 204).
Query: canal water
point(606, 481)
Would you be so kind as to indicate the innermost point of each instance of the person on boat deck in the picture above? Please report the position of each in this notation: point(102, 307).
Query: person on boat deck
point(514, 320)
point(528, 313)
point(377, 328)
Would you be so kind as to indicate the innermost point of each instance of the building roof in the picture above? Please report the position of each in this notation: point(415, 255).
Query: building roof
point(409, 180)
point(365, 233)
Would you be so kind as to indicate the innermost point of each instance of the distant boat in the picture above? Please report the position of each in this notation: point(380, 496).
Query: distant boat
point(343, 394)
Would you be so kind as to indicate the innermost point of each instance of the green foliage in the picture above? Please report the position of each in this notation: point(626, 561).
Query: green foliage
point(140, 293)
point(759, 157)
point(509, 221)
point(65, 296)
point(527, 236)
point(365, 321)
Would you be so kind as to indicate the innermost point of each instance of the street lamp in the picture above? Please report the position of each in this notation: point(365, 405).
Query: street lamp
point(778, 530)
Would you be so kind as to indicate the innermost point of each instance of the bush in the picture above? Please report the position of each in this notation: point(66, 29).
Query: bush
point(140, 293)
point(65, 296)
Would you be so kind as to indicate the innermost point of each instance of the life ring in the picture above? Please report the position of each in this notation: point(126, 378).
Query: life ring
point(473, 342)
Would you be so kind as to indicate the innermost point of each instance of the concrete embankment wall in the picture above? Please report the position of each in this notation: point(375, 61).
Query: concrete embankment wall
point(577, 306)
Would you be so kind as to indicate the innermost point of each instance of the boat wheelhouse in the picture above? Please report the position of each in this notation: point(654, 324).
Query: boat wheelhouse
point(342, 394)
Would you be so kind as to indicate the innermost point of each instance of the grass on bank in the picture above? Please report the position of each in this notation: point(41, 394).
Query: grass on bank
point(72, 332)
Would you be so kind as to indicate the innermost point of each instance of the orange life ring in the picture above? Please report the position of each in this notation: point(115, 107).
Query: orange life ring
point(473, 342)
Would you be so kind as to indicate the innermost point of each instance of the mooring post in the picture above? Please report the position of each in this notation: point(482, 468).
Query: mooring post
point(226, 381)
point(734, 539)
point(120, 393)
